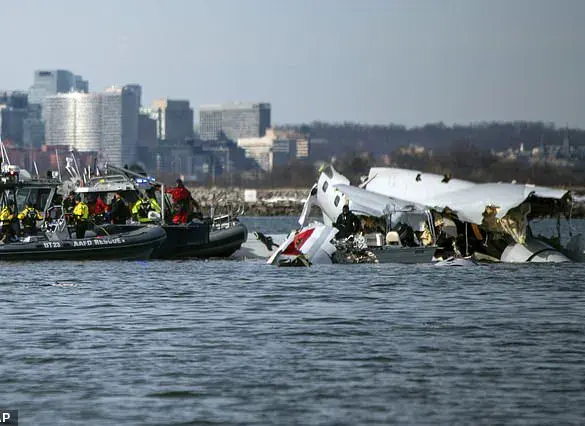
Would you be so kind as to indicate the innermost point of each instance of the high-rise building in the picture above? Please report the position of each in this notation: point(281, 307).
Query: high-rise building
point(234, 120)
point(106, 123)
point(47, 83)
point(74, 119)
point(52, 82)
point(174, 119)
point(120, 106)
point(13, 112)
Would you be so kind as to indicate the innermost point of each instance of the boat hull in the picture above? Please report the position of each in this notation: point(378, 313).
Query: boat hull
point(197, 240)
point(135, 245)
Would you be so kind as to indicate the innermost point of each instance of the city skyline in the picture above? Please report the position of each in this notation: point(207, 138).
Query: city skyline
point(376, 62)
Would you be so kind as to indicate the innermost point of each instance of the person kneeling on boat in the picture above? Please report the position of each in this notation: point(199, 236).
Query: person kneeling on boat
point(9, 222)
point(347, 223)
point(142, 207)
point(80, 215)
point(28, 217)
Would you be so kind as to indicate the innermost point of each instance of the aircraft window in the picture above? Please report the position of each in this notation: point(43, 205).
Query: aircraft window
point(325, 186)
point(336, 201)
point(328, 172)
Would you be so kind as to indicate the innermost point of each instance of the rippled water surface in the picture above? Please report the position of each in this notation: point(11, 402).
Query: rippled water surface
point(232, 342)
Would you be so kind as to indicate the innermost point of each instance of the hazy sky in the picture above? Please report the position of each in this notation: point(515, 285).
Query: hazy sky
point(373, 61)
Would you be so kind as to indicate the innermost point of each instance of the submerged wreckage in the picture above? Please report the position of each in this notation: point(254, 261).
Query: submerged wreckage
point(412, 217)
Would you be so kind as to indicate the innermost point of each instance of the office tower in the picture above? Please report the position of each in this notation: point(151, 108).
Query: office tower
point(73, 119)
point(106, 123)
point(120, 106)
point(174, 119)
point(147, 141)
point(52, 82)
point(13, 112)
point(234, 120)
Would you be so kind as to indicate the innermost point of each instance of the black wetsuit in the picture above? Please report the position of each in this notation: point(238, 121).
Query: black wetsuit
point(119, 211)
point(348, 224)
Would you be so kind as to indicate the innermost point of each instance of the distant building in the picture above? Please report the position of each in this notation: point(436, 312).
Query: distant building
point(302, 148)
point(299, 144)
point(283, 151)
point(13, 112)
point(120, 107)
point(34, 127)
point(52, 82)
point(174, 119)
point(74, 120)
point(106, 123)
point(147, 141)
point(260, 149)
point(234, 120)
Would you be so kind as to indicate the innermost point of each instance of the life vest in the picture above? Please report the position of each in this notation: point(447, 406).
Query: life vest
point(81, 212)
point(6, 214)
point(29, 217)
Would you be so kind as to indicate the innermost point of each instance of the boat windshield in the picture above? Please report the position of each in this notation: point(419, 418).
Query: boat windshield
point(38, 197)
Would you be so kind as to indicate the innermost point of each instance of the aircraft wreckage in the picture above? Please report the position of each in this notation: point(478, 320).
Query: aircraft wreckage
point(413, 217)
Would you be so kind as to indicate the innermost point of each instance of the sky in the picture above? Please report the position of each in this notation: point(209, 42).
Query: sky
point(407, 62)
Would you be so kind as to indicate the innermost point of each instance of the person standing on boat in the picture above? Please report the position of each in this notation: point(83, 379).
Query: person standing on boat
point(68, 206)
point(347, 223)
point(81, 216)
point(28, 217)
point(9, 222)
point(97, 208)
point(181, 199)
point(119, 211)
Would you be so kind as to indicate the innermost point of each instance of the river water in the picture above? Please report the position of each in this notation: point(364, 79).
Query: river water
point(241, 342)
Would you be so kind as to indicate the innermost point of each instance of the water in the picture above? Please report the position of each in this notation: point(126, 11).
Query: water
point(229, 342)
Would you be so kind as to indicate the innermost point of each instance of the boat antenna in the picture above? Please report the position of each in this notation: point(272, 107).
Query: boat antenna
point(5, 159)
point(73, 152)
point(36, 168)
point(58, 163)
point(3, 153)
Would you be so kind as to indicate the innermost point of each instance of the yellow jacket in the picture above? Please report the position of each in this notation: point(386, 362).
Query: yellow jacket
point(29, 212)
point(81, 211)
point(153, 206)
point(6, 214)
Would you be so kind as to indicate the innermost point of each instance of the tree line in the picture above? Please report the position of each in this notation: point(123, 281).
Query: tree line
point(464, 152)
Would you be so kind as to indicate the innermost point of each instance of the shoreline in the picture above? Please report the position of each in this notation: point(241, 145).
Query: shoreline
point(266, 202)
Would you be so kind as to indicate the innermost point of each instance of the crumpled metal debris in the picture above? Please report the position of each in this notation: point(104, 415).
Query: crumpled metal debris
point(353, 249)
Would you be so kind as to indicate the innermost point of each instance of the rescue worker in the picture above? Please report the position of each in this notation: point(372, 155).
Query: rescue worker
point(9, 222)
point(68, 206)
point(28, 217)
point(181, 201)
point(347, 223)
point(119, 211)
point(142, 207)
point(151, 194)
point(97, 208)
point(81, 216)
